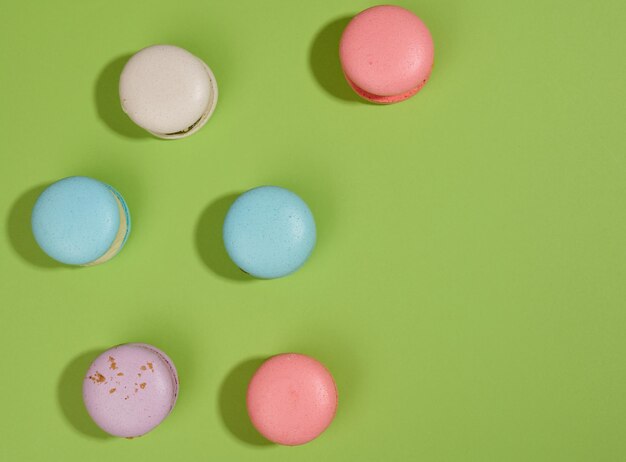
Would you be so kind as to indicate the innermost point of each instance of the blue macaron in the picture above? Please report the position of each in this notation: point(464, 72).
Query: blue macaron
point(269, 232)
point(80, 221)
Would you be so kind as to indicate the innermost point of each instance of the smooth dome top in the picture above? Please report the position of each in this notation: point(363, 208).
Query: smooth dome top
point(386, 50)
point(76, 220)
point(269, 232)
point(292, 399)
point(165, 89)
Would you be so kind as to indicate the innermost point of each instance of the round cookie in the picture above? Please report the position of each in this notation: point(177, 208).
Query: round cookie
point(269, 232)
point(168, 91)
point(130, 389)
point(80, 221)
point(292, 399)
point(386, 53)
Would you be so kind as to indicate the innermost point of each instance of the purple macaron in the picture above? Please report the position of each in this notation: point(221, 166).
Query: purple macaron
point(130, 389)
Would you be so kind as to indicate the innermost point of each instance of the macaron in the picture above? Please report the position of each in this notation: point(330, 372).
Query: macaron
point(130, 389)
point(291, 399)
point(386, 53)
point(269, 232)
point(168, 91)
point(80, 221)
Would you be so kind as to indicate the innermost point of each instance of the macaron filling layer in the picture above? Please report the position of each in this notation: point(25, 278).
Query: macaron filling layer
point(384, 99)
point(122, 232)
point(188, 129)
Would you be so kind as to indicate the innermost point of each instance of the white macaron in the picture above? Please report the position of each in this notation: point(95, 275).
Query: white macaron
point(168, 91)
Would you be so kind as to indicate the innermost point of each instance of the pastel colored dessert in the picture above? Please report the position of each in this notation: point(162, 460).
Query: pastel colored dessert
point(130, 389)
point(80, 221)
point(386, 53)
point(269, 232)
point(168, 91)
point(292, 399)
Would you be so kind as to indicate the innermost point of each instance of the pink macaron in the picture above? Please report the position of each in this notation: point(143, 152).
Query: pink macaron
point(386, 53)
point(292, 399)
point(130, 389)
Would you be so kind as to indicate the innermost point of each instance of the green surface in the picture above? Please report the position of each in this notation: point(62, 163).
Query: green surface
point(467, 290)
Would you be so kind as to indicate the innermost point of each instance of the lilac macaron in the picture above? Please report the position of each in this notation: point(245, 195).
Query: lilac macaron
point(130, 389)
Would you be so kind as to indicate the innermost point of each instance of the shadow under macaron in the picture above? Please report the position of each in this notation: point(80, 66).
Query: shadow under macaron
point(20, 233)
point(232, 403)
point(107, 100)
point(325, 64)
point(210, 242)
point(70, 396)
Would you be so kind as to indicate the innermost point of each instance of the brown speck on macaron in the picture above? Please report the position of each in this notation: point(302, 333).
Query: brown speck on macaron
point(97, 378)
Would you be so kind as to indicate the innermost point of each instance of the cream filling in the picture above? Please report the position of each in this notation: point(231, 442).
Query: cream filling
point(182, 132)
point(119, 238)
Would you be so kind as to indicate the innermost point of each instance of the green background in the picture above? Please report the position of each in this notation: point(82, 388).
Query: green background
point(467, 290)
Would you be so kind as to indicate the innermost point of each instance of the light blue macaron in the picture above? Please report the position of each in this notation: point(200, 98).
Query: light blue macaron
point(80, 221)
point(269, 232)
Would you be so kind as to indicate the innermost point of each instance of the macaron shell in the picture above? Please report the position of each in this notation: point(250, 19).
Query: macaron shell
point(166, 90)
point(269, 232)
point(386, 51)
point(76, 220)
point(291, 399)
point(205, 117)
point(130, 389)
